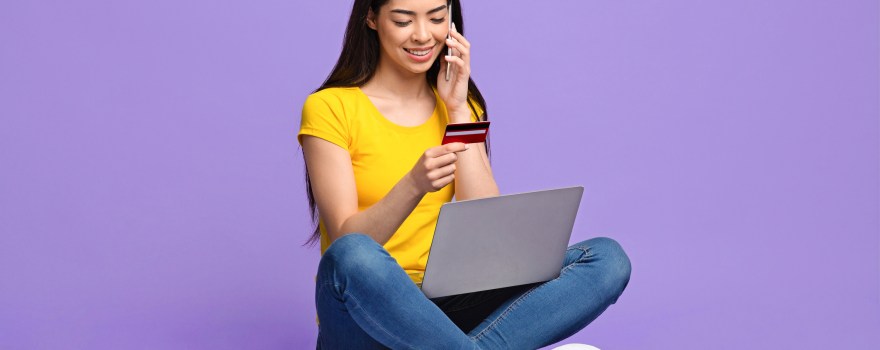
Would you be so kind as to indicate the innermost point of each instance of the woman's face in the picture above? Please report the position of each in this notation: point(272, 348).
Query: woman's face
point(412, 33)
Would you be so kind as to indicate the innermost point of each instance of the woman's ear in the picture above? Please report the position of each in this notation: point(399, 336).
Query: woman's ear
point(371, 19)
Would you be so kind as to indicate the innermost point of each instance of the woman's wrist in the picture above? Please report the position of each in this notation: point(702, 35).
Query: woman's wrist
point(460, 115)
point(411, 186)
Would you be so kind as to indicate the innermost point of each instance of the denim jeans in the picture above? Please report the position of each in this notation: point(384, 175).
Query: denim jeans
point(365, 300)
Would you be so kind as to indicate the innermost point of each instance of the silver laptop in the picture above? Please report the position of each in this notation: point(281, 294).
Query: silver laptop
point(499, 242)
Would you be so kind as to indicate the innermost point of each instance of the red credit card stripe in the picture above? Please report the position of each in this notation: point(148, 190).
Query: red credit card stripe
point(465, 139)
point(459, 133)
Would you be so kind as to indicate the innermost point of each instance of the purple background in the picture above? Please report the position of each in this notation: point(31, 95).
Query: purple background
point(152, 193)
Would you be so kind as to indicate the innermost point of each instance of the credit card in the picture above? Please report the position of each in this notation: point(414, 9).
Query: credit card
point(466, 132)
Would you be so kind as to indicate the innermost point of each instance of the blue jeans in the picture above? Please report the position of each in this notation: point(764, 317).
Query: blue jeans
point(365, 300)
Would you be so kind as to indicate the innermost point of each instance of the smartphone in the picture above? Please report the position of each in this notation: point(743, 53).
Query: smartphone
point(448, 49)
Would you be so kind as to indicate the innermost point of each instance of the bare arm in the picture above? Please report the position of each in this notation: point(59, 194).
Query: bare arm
point(382, 219)
point(474, 178)
point(333, 185)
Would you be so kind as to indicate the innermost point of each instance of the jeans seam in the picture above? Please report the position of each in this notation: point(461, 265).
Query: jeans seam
point(578, 261)
point(376, 324)
point(504, 314)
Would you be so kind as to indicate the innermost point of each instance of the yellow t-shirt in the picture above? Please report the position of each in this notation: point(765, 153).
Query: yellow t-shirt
point(381, 153)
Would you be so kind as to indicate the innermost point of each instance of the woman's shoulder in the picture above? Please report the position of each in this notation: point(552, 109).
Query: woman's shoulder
point(341, 103)
point(334, 95)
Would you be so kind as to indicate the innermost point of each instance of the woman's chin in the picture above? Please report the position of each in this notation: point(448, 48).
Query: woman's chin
point(418, 69)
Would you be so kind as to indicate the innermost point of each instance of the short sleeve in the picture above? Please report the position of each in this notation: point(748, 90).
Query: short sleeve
point(324, 120)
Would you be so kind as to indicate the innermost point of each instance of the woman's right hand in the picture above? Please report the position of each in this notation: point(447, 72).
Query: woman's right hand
point(436, 167)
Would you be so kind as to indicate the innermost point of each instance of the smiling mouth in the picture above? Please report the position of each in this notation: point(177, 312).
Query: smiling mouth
point(419, 52)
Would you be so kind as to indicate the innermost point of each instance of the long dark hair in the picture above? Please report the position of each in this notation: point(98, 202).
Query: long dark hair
point(357, 64)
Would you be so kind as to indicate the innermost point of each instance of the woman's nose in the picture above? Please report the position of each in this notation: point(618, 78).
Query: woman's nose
point(421, 33)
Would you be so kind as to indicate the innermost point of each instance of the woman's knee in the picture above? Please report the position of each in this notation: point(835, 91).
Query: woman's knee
point(617, 263)
point(353, 254)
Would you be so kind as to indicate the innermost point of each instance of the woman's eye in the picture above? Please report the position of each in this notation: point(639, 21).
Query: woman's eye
point(433, 20)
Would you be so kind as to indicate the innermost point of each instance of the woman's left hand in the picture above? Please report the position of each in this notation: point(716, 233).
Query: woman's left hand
point(454, 92)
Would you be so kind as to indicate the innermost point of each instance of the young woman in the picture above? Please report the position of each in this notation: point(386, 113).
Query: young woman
point(377, 176)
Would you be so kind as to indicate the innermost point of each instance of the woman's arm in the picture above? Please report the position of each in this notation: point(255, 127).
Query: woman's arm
point(473, 179)
point(333, 185)
point(473, 175)
point(335, 191)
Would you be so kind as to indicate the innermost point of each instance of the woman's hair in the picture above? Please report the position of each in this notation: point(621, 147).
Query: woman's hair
point(357, 64)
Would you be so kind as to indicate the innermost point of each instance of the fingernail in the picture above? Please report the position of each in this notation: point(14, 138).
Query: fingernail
point(466, 147)
point(453, 27)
